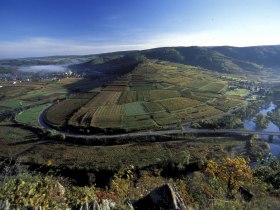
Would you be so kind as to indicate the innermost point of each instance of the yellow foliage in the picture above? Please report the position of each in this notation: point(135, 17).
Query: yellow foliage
point(121, 182)
point(46, 192)
point(49, 163)
point(233, 171)
point(34, 191)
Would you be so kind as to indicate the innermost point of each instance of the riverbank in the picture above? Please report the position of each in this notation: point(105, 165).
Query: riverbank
point(273, 141)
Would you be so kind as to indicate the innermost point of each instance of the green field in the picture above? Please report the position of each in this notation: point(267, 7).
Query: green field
point(238, 92)
point(8, 92)
point(153, 107)
point(29, 94)
point(214, 87)
point(30, 116)
point(135, 108)
point(15, 103)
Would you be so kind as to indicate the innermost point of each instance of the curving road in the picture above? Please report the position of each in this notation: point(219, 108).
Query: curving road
point(187, 130)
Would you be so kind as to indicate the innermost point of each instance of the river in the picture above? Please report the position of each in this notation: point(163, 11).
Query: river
point(275, 142)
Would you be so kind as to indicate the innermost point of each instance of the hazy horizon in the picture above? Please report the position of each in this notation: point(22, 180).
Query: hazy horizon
point(82, 54)
point(37, 28)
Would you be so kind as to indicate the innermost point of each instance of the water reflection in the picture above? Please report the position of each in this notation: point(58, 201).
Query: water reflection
point(275, 141)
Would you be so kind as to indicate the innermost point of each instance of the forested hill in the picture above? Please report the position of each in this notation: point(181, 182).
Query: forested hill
point(203, 57)
point(268, 56)
point(224, 59)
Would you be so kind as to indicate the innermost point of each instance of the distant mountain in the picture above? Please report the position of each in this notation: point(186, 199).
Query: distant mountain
point(204, 57)
point(59, 60)
point(221, 59)
point(224, 59)
point(268, 56)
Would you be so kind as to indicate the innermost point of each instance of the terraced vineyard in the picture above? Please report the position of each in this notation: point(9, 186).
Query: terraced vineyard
point(155, 94)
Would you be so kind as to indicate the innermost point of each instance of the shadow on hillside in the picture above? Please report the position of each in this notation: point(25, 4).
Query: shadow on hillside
point(85, 84)
point(99, 74)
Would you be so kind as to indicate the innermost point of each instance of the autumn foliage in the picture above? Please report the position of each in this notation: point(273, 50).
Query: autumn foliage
point(234, 172)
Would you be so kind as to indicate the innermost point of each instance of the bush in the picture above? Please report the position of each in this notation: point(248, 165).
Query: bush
point(26, 189)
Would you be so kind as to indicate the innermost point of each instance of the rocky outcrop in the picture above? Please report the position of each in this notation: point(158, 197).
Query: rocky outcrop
point(164, 197)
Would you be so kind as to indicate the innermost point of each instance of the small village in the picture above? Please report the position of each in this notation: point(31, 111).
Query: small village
point(19, 77)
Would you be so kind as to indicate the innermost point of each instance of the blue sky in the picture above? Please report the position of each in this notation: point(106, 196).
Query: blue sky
point(60, 27)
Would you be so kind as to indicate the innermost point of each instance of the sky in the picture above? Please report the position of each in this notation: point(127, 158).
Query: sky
point(33, 28)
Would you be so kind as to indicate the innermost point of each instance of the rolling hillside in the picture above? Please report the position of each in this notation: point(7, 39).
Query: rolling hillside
point(223, 59)
point(262, 55)
point(203, 57)
point(114, 64)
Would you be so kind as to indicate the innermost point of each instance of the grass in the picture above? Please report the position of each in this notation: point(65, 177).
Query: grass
point(15, 103)
point(127, 97)
point(135, 108)
point(182, 81)
point(179, 103)
point(88, 95)
point(45, 92)
point(238, 92)
point(104, 98)
point(9, 92)
point(12, 135)
point(66, 81)
point(82, 118)
point(163, 118)
point(142, 95)
point(163, 94)
point(225, 104)
point(196, 84)
point(138, 122)
point(30, 116)
point(58, 115)
point(13, 140)
point(153, 107)
point(214, 87)
point(108, 116)
point(139, 155)
point(206, 112)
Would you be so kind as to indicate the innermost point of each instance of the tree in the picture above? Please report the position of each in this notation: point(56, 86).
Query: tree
point(61, 136)
point(234, 172)
point(51, 133)
point(249, 142)
point(261, 121)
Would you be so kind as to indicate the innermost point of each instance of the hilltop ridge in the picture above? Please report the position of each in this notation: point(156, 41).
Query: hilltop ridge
point(225, 59)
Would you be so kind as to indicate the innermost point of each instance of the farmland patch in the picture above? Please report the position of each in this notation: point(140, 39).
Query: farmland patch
point(178, 103)
point(163, 94)
point(30, 116)
point(215, 87)
point(132, 109)
point(58, 114)
point(104, 98)
point(108, 117)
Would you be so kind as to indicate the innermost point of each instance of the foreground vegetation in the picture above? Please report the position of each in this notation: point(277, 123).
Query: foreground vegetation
point(226, 184)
